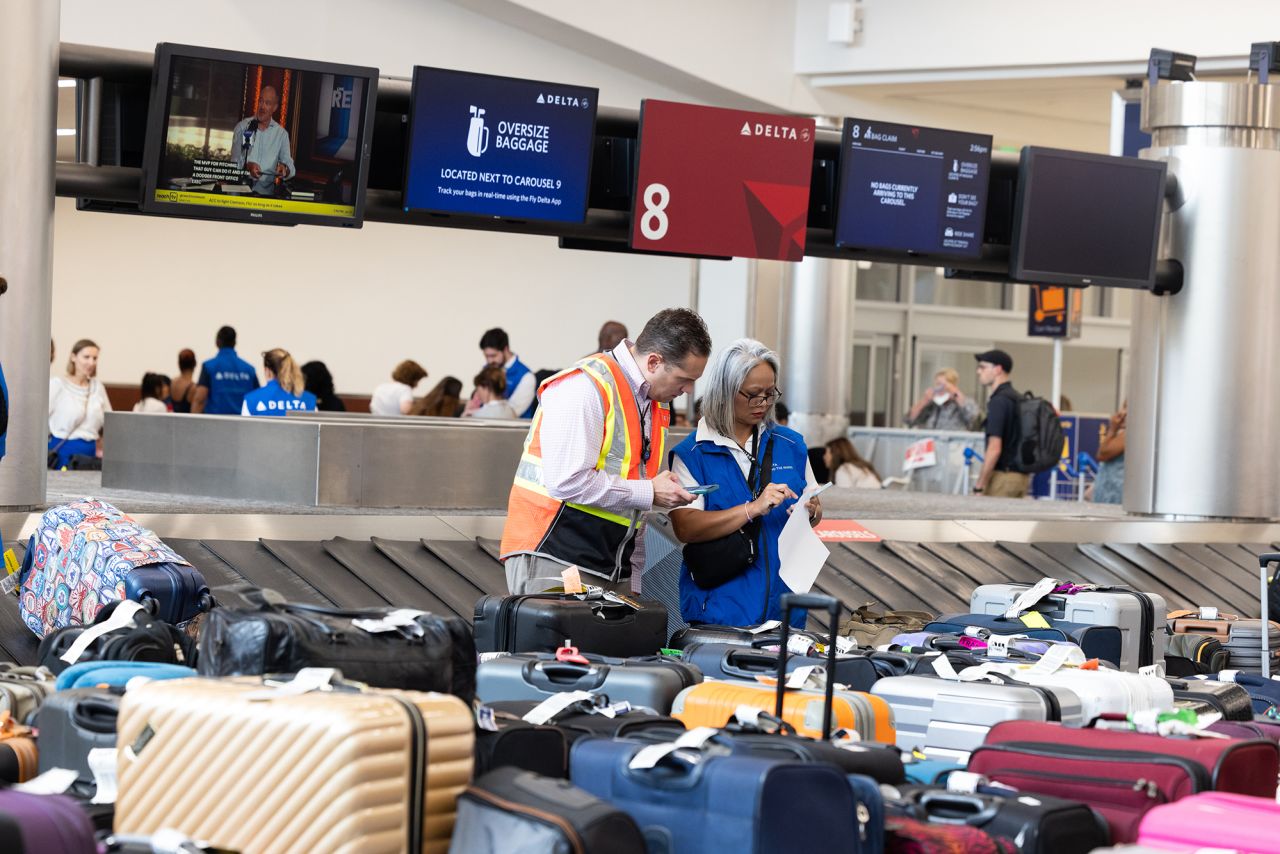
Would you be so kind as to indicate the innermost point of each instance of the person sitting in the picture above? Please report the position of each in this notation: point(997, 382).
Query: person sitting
point(285, 390)
point(760, 469)
point(443, 401)
point(491, 383)
point(943, 406)
point(849, 468)
point(155, 388)
point(319, 382)
point(77, 406)
point(184, 390)
point(396, 397)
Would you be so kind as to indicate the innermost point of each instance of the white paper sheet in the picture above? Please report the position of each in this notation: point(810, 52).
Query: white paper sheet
point(801, 553)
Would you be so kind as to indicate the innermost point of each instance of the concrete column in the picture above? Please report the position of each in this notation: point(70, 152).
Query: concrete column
point(817, 352)
point(1204, 394)
point(29, 62)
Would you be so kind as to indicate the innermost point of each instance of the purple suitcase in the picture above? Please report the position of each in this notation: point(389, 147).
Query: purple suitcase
point(170, 592)
point(41, 824)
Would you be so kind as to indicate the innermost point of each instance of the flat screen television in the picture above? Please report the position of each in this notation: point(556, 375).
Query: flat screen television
point(912, 189)
point(492, 146)
point(252, 138)
point(1087, 219)
point(718, 182)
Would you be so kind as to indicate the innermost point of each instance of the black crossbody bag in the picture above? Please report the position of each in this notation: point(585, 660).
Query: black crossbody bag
point(714, 562)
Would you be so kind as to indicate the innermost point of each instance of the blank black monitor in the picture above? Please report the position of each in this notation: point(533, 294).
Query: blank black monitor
point(1087, 219)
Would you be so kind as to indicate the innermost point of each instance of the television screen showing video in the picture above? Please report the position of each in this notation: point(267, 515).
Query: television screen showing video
point(256, 138)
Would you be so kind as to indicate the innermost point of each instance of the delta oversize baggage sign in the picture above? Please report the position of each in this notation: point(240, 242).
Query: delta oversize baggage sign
point(720, 182)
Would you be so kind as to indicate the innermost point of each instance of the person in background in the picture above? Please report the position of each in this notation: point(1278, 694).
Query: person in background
point(4, 388)
point(53, 351)
point(1108, 486)
point(490, 384)
point(77, 405)
point(1064, 404)
point(443, 401)
point(849, 468)
point(998, 477)
point(155, 388)
point(225, 379)
point(577, 501)
point(611, 335)
point(285, 390)
point(781, 415)
point(184, 390)
point(319, 382)
point(760, 469)
point(943, 406)
point(396, 397)
point(522, 385)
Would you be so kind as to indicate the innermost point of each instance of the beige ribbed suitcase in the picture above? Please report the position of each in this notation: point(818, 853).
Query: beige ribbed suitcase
point(327, 771)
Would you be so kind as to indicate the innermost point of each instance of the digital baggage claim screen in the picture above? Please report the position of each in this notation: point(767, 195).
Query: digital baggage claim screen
point(912, 189)
point(499, 146)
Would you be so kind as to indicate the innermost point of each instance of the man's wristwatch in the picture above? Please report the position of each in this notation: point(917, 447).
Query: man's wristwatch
point(977, 489)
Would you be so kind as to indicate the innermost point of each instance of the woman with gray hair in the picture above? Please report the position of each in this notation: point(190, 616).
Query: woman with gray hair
point(755, 470)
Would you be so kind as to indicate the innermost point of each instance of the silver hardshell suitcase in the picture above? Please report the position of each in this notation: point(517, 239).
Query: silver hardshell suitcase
point(948, 719)
point(1140, 616)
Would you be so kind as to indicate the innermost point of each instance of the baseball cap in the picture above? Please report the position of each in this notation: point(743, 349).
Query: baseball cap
point(997, 357)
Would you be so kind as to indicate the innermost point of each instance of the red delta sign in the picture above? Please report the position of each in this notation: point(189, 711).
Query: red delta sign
point(844, 531)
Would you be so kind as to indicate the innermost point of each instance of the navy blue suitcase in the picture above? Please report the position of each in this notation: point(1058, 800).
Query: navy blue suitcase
point(730, 661)
point(693, 801)
point(170, 592)
point(1102, 642)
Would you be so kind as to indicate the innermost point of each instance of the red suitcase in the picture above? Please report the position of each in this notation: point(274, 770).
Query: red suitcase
point(1123, 774)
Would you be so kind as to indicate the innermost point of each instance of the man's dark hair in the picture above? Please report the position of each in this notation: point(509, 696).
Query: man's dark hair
point(674, 334)
point(4, 285)
point(494, 339)
point(226, 337)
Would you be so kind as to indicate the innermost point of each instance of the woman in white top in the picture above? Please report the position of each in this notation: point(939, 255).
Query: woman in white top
point(848, 468)
point(77, 405)
point(396, 397)
point(491, 385)
point(155, 389)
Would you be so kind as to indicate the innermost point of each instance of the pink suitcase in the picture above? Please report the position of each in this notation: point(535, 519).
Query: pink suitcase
point(1217, 820)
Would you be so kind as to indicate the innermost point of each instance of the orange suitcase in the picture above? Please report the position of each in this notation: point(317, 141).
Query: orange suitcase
point(713, 703)
point(253, 769)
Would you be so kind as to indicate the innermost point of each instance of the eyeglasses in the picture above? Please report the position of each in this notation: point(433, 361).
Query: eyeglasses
point(769, 398)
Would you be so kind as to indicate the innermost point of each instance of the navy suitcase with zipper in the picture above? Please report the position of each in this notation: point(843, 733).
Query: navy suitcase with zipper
point(170, 592)
point(1102, 642)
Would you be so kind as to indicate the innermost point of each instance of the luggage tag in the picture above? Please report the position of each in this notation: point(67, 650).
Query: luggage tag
point(765, 627)
point(1056, 658)
point(491, 656)
point(976, 632)
point(306, 680)
point(403, 620)
point(970, 642)
point(808, 676)
point(942, 666)
point(572, 580)
point(55, 781)
point(1034, 620)
point(650, 756)
point(485, 719)
point(698, 736)
point(569, 654)
point(799, 645)
point(102, 762)
point(619, 599)
point(555, 704)
point(845, 645)
point(9, 584)
point(1038, 591)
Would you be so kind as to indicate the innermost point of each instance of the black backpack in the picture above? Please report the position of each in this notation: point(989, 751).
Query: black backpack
point(1039, 444)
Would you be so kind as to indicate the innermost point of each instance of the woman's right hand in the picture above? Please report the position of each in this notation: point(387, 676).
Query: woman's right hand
point(773, 495)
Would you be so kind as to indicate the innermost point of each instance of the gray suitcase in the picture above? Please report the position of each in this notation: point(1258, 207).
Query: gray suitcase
point(949, 719)
point(649, 681)
point(1244, 644)
point(73, 722)
point(1140, 616)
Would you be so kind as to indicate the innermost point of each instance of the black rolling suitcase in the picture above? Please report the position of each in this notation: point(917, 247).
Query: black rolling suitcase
point(503, 740)
point(1039, 824)
point(1228, 699)
point(598, 623)
point(579, 720)
point(744, 664)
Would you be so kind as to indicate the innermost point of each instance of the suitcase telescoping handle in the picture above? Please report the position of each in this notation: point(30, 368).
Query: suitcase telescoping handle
point(1265, 560)
point(817, 602)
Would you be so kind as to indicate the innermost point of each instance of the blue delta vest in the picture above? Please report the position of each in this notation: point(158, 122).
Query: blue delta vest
point(515, 373)
point(272, 399)
point(4, 412)
point(228, 378)
point(752, 597)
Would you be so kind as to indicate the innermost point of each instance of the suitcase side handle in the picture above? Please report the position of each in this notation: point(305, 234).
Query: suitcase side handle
point(953, 808)
point(818, 602)
point(738, 662)
point(556, 676)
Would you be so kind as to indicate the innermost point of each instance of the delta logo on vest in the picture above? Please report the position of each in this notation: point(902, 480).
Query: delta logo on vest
point(279, 405)
point(228, 376)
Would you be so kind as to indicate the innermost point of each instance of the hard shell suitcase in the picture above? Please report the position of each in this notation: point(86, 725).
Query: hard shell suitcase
point(541, 622)
point(74, 722)
point(1102, 642)
point(1139, 616)
point(691, 801)
point(1040, 824)
point(1225, 698)
point(23, 689)
point(172, 592)
point(649, 681)
point(734, 635)
point(509, 811)
point(948, 719)
point(1122, 774)
point(42, 824)
point(1214, 820)
point(1101, 692)
point(253, 768)
point(742, 664)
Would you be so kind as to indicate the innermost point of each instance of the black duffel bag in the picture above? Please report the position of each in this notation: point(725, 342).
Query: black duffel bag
point(382, 647)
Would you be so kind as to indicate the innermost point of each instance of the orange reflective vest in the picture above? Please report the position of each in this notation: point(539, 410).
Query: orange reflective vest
point(595, 540)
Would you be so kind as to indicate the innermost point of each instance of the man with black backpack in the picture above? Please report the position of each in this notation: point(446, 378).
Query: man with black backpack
point(1000, 475)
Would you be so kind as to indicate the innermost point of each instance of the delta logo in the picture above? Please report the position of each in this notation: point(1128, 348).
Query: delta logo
point(563, 100)
point(774, 131)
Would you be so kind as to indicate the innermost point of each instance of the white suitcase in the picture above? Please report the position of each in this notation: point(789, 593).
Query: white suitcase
point(1100, 691)
point(1140, 616)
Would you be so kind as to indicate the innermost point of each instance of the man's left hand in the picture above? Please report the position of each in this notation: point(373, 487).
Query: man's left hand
point(814, 506)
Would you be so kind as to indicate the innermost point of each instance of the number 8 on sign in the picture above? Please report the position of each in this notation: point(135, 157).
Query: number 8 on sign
point(654, 223)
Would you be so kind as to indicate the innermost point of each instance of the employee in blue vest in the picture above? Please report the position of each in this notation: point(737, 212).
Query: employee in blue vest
point(522, 385)
point(225, 379)
point(285, 391)
point(760, 469)
point(4, 389)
